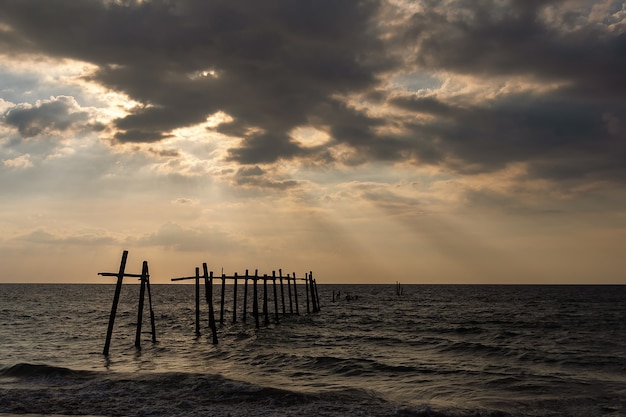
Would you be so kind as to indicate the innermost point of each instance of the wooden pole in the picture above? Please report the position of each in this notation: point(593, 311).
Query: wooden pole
point(197, 301)
point(208, 289)
point(116, 299)
point(282, 290)
point(150, 305)
point(317, 295)
point(289, 291)
point(255, 302)
point(222, 304)
point(306, 288)
point(245, 296)
point(142, 295)
point(312, 288)
point(235, 298)
point(275, 296)
point(295, 293)
point(265, 312)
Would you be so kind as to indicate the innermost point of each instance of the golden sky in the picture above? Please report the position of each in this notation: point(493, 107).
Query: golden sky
point(366, 141)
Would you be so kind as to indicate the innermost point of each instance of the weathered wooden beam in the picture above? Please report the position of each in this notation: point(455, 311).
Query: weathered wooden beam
point(152, 325)
point(295, 292)
point(235, 298)
point(245, 297)
point(265, 312)
point(208, 289)
point(116, 299)
point(255, 302)
point(289, 291)
point(142, 295)
point(282, 290)
point(275, 296)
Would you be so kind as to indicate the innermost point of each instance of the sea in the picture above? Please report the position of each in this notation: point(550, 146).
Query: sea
point(370, 350)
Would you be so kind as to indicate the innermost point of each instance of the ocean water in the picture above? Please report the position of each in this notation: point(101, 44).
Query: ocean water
point(435, 350)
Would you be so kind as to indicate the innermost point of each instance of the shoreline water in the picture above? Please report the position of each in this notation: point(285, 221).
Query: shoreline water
point(436, 350)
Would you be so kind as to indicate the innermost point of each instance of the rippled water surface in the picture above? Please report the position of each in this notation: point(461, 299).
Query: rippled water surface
point(454, 350)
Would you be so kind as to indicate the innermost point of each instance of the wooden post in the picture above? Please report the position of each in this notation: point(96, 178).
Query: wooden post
point(222, 304)
point(265, 312)
point(255, 302)
point(295, 293)
point(306, 288)
point(289, 290)
point(317, 295)
point(142, 296)
point(282, 290)
point(152, 325)
point(208, 289)
point(275, 296)
point(116, 299)
point(235, 298)
point(150, 305)
point(197, 301)
point(312, 288)
point(245, 296)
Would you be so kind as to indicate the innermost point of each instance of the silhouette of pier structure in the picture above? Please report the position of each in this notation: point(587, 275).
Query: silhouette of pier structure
point(144, 277)
point(289, 281)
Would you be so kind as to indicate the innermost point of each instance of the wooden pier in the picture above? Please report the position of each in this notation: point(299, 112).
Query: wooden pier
point(290, 281)
point(307, 282)
point(144, 277)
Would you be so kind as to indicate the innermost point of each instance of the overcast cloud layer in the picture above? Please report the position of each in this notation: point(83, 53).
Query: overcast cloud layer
point(412, 108)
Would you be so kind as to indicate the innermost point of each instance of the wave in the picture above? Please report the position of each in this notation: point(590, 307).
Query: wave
point(37, 370)
point(47, 389)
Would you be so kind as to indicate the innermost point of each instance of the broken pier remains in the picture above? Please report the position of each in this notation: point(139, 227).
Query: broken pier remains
point(280, 281)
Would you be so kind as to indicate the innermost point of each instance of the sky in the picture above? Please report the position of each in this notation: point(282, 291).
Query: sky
point(371, 141)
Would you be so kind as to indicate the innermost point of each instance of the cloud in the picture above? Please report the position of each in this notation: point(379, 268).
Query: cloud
point(57, 115)
point(199, 239)
point(22, 161)
point(44, 237)
point(256, 177)
point(276, 66)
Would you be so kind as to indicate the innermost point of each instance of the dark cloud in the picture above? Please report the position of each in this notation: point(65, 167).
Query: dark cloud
point(277, 65)
point(273, 62)
point(55, 115)
point(522, 37)
point(256, 177)
point(559, 138)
